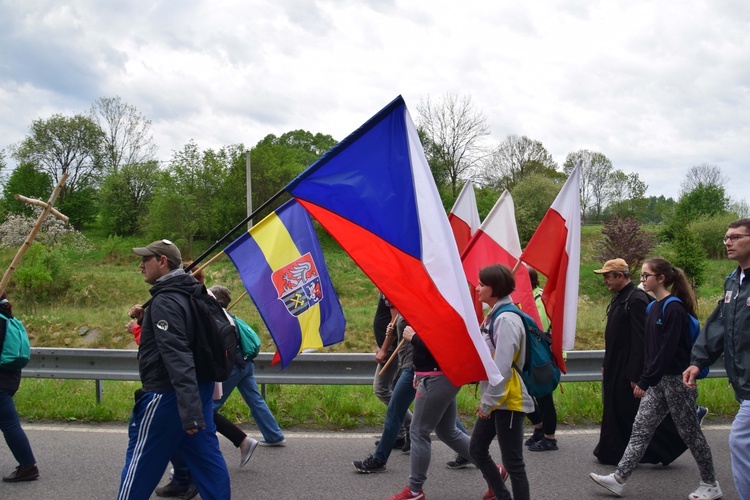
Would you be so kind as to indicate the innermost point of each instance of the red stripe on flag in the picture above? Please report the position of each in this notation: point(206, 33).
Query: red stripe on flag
point(406, 283)
point(547, 253)
point(461, 232)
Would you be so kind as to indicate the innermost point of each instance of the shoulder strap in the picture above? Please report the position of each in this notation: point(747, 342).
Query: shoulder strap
point(503, 308)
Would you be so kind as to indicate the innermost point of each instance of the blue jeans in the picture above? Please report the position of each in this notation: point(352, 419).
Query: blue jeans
point(12, 431)
point(243, 378)
point(739, 448)
point(401, 399)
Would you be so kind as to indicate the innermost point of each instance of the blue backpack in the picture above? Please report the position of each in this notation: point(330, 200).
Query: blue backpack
point(540, 373)
point(16, 351)
point(695, 327)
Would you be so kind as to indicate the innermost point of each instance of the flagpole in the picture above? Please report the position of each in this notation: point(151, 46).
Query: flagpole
point(235, 229)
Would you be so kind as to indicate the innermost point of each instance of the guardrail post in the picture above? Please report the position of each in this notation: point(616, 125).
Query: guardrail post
point(99, 391)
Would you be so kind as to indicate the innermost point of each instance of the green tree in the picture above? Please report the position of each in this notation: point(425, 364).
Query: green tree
point(532, 198)
point(515, 159)
point(125, 195)
point(275, 161)
point(27, 181)
point(72, 145)
point(702, 201)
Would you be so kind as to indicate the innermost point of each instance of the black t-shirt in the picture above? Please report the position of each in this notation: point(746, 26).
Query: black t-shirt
point(382, 319)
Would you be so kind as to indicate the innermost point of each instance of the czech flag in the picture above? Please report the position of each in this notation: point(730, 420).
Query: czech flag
point(282, 267)
point(374, 193)
point(497, 242)
point(555, 251)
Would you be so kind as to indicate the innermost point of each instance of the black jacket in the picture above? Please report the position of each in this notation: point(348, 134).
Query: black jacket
point(165, 361)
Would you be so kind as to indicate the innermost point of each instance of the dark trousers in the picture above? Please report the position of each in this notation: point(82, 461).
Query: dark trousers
point(508, 427)
point(545, 412)
point(12, 431)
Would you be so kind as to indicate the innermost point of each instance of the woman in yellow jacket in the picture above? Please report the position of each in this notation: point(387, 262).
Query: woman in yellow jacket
point(503, 406)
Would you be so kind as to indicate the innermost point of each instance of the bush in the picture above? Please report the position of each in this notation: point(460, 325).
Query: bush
point(685, 252)
point(44, 274)
point(624, 238)
point(709, 232)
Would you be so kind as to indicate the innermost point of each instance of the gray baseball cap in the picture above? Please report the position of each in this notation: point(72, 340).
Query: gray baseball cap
point(159, 248)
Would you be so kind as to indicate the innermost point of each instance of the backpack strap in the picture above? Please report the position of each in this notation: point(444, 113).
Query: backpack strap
point(493, 316)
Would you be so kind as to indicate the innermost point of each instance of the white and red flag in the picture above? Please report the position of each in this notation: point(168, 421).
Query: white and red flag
point(464, 217)
point(555, 251)
point(464, 221)
point(496, 242)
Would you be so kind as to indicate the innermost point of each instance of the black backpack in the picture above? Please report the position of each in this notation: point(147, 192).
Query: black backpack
point(214, 339)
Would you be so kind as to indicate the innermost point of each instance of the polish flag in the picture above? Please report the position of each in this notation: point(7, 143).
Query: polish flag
point(555, 251)
point(496, 242)
point(464, 217)
point(464, 221)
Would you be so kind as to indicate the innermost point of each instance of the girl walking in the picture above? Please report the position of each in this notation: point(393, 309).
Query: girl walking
point(667, 355)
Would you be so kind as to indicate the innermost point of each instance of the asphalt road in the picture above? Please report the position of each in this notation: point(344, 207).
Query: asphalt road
point(84, 462)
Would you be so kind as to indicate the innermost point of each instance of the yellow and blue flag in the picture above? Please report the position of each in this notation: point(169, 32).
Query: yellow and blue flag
point(281, 265)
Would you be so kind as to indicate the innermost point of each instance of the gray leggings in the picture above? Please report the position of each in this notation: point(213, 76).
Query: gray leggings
point(670, 395)
point(434, 409)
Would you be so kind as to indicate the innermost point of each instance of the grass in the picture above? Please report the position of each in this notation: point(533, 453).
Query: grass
point(106, 282)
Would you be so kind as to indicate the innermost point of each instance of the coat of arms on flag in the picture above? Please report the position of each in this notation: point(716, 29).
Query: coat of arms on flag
point(298, 285)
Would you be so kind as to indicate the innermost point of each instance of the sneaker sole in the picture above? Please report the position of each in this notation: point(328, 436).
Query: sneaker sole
point(459, 467)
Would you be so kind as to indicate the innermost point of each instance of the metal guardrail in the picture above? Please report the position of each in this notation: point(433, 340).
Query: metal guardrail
point(307, 368)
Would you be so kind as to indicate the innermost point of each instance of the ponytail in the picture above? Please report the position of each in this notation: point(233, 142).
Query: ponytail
point(676, 281)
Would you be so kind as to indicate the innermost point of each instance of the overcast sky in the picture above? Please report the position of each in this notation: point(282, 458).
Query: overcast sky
point(656, 86)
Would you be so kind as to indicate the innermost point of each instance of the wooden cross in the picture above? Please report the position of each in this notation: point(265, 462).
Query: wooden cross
point(47, 210)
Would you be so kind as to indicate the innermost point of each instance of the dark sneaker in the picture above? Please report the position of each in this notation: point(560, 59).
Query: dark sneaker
point(369, 465)
point(172, 490)
point(406, 448)
point(400, 442)
point(700, 414)
point(536, 436)
point(544, 444)
point(26, 473)
point(459, 463)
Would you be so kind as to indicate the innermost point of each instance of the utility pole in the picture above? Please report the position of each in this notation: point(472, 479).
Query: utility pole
point(249, 190)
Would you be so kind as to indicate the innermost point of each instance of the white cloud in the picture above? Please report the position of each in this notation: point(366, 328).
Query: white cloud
point(657, 87)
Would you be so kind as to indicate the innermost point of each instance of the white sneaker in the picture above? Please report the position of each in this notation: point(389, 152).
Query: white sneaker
point(706, 492)
point(609, 482)
point(247, 447)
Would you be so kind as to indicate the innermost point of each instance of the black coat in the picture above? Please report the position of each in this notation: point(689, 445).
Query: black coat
point(623, 364)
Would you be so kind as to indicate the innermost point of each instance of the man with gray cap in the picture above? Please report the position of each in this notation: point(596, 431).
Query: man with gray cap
point(621, 370)
point(174, 414)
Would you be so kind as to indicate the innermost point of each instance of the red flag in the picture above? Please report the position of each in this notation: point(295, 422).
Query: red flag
point(496, 242)
point(464, 220)
point(555, 251)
